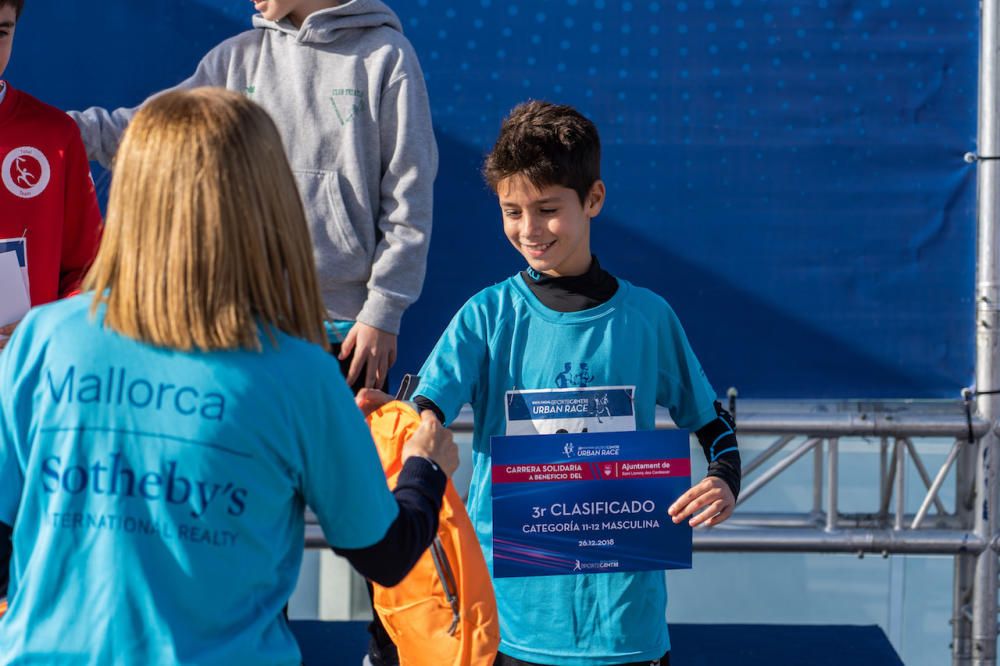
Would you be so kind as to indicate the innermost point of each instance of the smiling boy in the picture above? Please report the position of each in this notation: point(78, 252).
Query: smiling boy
point(49, 216)
point(565, 311)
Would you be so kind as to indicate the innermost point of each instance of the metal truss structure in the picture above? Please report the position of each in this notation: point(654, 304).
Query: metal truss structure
point(965, 531)
point(801, 429)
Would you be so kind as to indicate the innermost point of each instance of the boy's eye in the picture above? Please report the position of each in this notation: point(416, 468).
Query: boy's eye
point(548, 211)
point(511, 213)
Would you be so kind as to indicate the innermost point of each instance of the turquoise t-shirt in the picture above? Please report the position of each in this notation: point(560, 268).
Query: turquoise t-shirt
point(504, 339)
point(157, 496)
point(337, 330)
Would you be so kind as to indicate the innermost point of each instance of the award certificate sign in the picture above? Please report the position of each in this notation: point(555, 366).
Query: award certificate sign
point(579, 503)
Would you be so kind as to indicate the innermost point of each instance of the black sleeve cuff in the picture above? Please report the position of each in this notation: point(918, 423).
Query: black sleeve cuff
point(423, 404)
point(728, 467)
point(424, 476)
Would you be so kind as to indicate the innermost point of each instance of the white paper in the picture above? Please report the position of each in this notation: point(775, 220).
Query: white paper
point(19, 246)
point(14, 302)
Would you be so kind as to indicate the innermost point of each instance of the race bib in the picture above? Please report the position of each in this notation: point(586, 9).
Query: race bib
point(571, 410)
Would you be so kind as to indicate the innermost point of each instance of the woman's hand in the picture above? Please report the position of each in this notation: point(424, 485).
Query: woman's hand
point(711, 500)
point(433, 441)
point(368, 400)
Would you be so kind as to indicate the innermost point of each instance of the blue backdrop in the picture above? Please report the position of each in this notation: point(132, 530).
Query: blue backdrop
point(788, 174)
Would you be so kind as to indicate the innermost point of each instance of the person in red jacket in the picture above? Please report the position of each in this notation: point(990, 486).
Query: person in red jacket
point(48, 207)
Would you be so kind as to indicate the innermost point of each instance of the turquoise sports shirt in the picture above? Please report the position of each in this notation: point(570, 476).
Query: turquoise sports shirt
point(504, 339)
point(157, 496)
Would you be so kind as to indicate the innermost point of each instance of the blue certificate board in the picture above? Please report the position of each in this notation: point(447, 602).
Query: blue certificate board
point(589, 503)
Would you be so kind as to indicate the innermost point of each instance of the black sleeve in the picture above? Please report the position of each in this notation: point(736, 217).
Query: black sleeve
point(6, 548)
point(423, 404)
point(419, 493)
point(718, 441)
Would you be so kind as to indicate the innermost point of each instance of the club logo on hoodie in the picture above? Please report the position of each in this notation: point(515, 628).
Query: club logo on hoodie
point(347, 104)
point(25, 172)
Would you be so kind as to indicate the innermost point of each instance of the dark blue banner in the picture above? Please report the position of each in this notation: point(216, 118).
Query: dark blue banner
point(788, 175)
point(589, 503)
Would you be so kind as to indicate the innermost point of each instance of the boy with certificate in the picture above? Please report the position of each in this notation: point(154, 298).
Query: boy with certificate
point(566, 347)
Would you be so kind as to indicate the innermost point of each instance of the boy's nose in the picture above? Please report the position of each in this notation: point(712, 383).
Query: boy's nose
point(530, 226)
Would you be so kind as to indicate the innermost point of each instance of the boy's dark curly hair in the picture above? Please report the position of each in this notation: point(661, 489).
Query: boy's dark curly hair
point(18, 6)
point(549, 144)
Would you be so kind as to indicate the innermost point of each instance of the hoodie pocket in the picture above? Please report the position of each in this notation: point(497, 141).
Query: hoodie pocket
point(341, 253)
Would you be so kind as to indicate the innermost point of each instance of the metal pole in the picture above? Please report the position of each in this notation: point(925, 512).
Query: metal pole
point(831, 419)
point(924, 476)
point(845, 521)
point(883, 476)
point(818, 481)
point(832, 473)
point(766, 455)
point(984, 595)
point(805, 540)
point(965, 564)
point(890, 481)
point(900, 516)
point(784, 540)
point(933, 488)
point(961, 625)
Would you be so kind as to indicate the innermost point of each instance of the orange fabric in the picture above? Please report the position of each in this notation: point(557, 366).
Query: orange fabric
point(416, 613)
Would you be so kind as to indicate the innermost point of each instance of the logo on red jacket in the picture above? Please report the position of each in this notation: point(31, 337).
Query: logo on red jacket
point(25, 172)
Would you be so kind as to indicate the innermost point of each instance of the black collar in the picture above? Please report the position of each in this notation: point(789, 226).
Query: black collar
point(573, 293)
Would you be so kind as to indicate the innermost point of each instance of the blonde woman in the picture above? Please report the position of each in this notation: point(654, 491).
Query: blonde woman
point(161, 435)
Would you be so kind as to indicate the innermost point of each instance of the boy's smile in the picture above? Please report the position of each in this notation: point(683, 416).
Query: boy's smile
point(549, 226)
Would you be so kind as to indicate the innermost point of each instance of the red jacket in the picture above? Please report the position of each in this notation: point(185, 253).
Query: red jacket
point(46, 195)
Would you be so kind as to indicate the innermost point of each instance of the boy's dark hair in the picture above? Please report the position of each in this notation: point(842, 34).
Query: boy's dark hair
point(18, 6)
point(549, 144)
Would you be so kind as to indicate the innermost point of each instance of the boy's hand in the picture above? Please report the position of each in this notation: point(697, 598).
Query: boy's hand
point(374, 350)
point(433, 441)
point(712, 497)
point(368, 400)
point(6, 332)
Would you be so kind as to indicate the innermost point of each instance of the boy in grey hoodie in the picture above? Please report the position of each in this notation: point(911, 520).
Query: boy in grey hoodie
point(346, 91)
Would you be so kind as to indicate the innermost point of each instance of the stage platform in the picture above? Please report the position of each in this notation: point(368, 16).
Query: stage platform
point(344, 643)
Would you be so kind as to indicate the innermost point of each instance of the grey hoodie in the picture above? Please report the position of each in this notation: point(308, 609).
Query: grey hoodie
point(348, 96)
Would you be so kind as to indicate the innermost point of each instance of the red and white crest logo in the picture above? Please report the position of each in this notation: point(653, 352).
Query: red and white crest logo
point(25, 172)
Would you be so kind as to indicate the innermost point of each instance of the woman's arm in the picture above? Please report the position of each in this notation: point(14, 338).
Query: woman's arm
point(419, 493)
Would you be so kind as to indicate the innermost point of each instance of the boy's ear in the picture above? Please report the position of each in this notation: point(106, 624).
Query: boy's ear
point(595, 198)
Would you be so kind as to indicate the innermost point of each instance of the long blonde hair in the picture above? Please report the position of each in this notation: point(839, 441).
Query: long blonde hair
point(206, 239)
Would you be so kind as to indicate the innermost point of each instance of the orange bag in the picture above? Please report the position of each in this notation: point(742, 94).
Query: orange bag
point(444, 612)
